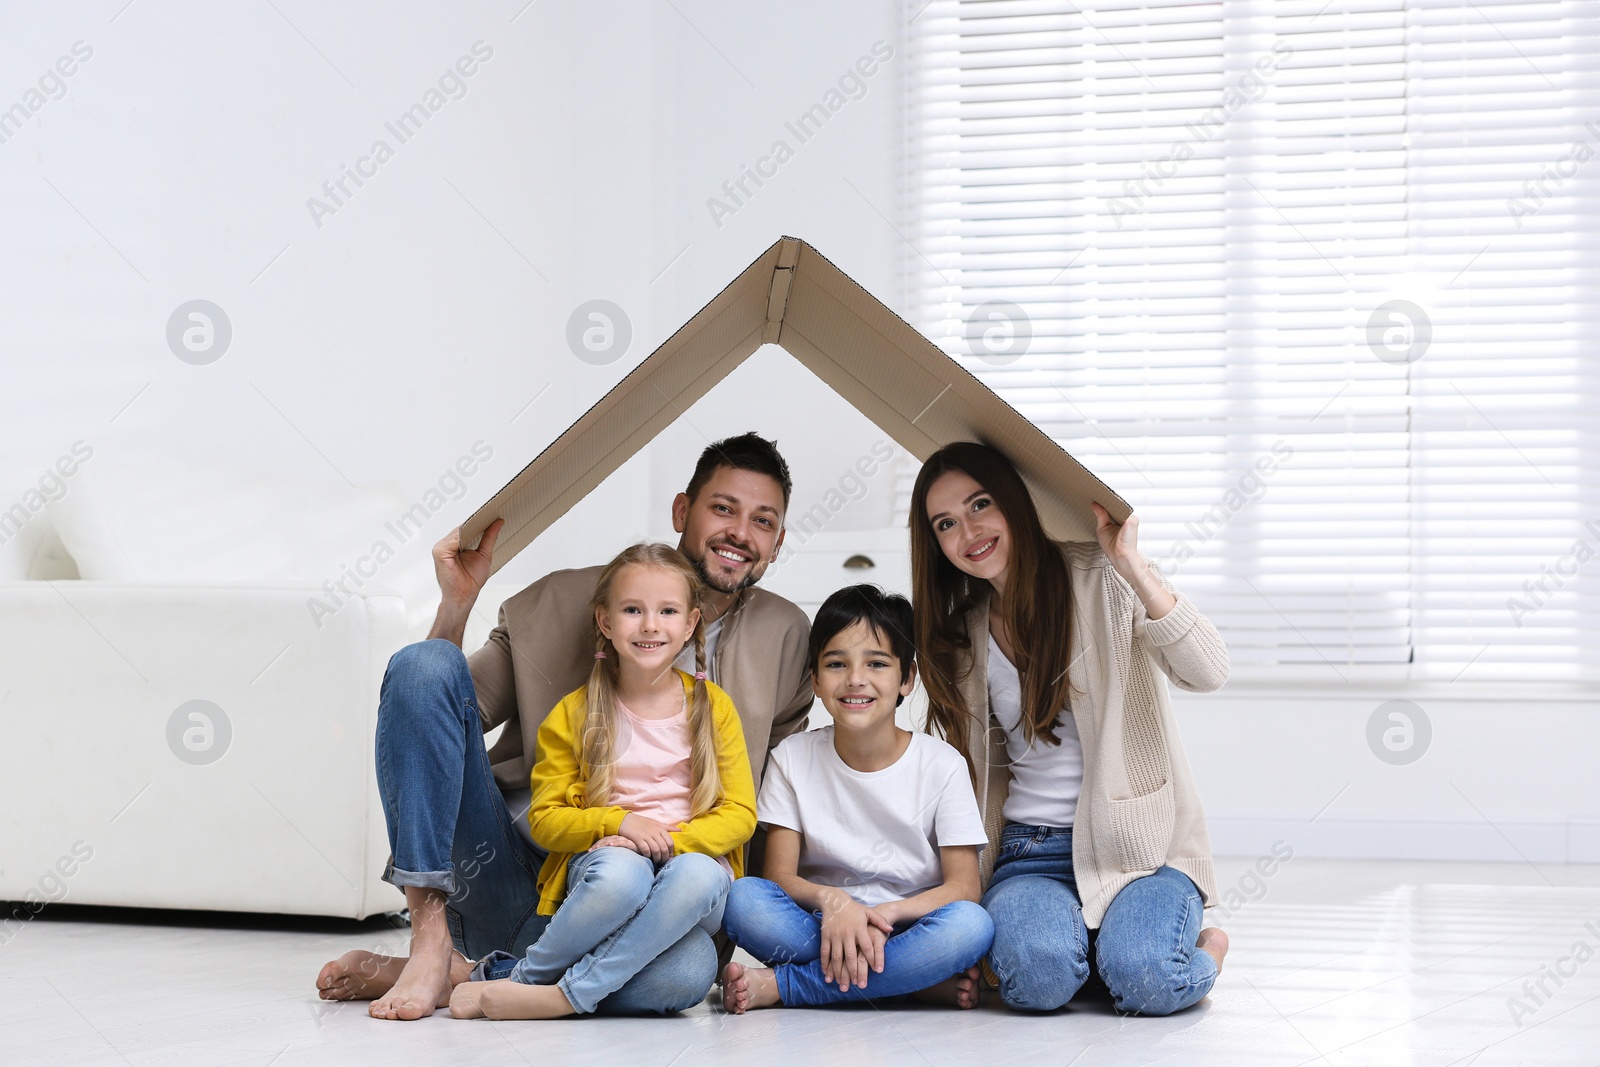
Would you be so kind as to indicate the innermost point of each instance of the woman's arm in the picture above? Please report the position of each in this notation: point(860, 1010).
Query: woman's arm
point(960, 865)
point(1183, 642)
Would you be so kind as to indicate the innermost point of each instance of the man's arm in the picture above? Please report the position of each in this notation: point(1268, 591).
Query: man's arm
point(461, 574)
point(790, 716)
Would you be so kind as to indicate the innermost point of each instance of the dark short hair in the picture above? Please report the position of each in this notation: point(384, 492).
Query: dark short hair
point(887, 614)
point(747, 452)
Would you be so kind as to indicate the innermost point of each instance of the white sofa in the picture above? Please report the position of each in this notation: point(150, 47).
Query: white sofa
point(286, 820)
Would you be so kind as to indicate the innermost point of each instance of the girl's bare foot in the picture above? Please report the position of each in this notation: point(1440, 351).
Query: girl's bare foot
point(464, 999)
point(505, 999)
point(744, 988)
point(1214, 943)
point(957, 991)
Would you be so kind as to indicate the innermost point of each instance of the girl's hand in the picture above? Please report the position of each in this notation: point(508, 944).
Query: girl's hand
point(648, 837)
point(848, 945)
point(614, 841)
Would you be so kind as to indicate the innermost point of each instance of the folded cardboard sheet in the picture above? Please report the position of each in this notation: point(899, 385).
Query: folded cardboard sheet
point(793, 297)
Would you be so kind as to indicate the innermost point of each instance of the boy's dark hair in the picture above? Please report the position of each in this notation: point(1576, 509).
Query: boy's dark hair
point(747, 452)
point(887, 614)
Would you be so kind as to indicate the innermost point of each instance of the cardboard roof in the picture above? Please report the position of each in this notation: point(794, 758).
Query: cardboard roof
point(793, 297)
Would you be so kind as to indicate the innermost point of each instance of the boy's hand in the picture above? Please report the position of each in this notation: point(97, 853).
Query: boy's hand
point(849, 947)
point(648, 837)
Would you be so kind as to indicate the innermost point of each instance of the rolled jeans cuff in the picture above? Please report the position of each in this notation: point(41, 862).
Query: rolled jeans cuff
point(444, 881)
point(497, 964)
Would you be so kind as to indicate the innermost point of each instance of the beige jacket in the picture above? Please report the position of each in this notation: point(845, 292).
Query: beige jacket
point(1138, 809)
point(543, 649)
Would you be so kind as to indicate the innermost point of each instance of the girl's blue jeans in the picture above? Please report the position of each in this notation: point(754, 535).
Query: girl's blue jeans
point(766, 922)
point(449, 830)
point(1144, 950)
point(620, 913)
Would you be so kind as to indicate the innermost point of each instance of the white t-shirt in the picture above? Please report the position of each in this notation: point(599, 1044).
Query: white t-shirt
point(1045, 779)
point(875, 834)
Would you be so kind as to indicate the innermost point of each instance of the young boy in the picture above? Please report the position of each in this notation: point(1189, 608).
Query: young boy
point(873, 832)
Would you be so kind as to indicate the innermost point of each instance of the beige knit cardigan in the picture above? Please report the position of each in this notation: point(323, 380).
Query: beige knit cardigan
point(1138, 808)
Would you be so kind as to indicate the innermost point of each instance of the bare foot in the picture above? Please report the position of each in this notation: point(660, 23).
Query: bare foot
point(505, 999)
point(957, 991)
point(429, 973)
point(464, 999)
point(744, 988)
point(359, 975)
point(1214, 943)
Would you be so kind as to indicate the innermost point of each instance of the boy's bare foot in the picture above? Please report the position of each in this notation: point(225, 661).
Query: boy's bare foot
point(744, 988)
point(505, 999)
point(1214, 943)
point(957, 991)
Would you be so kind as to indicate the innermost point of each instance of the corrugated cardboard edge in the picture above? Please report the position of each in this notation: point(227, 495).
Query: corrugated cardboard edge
point(793, 296)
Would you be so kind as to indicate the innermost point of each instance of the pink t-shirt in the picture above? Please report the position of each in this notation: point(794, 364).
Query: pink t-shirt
point(652, 776)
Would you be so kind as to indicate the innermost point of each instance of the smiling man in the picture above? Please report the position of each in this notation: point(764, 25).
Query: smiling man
point(458, 816)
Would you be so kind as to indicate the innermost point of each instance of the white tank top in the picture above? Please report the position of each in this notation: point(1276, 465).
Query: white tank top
point(1045, 779)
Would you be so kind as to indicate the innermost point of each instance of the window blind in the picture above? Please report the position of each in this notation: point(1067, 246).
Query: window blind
point(1263, 267)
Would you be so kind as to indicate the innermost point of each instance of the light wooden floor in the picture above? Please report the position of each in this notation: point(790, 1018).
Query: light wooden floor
point(1340, 962)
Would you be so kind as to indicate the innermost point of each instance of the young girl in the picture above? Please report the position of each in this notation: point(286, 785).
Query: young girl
point(643, 796)
point(872, 835)
point(1059, 645)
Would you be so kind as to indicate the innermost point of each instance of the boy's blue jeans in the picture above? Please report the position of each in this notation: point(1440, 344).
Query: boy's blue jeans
point(449, 830)
point(620, 913)
point(1144, 951)
point(766, 922)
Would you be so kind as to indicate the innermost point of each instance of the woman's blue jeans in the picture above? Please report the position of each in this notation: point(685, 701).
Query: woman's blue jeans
point(766, 922)
point(449, 830)
point(620, 913)
point(1144, 950)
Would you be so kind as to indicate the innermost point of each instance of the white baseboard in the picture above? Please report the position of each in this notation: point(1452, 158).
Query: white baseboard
point(1330, 837)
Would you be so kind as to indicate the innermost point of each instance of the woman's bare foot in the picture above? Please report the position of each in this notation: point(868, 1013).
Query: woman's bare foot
point(1214, 943)
point(505, 999)
point(957, 991)
point(744, 988)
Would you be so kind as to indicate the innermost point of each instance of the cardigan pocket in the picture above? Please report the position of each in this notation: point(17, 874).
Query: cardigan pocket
point(1143, 828)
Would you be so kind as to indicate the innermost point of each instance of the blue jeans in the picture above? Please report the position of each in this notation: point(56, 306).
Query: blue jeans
point(448, 827)
point(620, 913)
point(766, 922)
point(1144, 951)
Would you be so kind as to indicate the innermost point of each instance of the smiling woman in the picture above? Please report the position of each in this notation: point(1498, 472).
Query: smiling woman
point(1041, 662)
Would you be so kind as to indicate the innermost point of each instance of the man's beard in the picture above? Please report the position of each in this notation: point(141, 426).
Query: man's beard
point(705, 574)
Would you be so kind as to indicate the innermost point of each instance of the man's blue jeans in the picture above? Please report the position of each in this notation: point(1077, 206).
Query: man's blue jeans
point(1144, 951)
point(766, 922)
point(449, 830)
point(620, 913)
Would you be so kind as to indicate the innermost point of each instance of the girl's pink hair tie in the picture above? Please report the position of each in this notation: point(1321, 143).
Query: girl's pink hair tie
point(600, 655)
point(699, 676)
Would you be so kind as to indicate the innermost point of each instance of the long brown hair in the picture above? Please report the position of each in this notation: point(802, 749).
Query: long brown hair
point(597, 749)
point(1037, 605)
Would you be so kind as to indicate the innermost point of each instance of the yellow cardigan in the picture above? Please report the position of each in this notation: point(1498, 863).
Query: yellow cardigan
point(562, 824)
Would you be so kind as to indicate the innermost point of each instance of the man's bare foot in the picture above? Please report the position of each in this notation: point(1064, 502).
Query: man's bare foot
point(745, 988)
point(505, 999)
point(957, 991)
point(431, 971)
point(1214, 943)
point(359, 975)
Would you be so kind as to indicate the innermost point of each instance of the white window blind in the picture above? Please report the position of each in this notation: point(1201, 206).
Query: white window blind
point(1306, 282)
